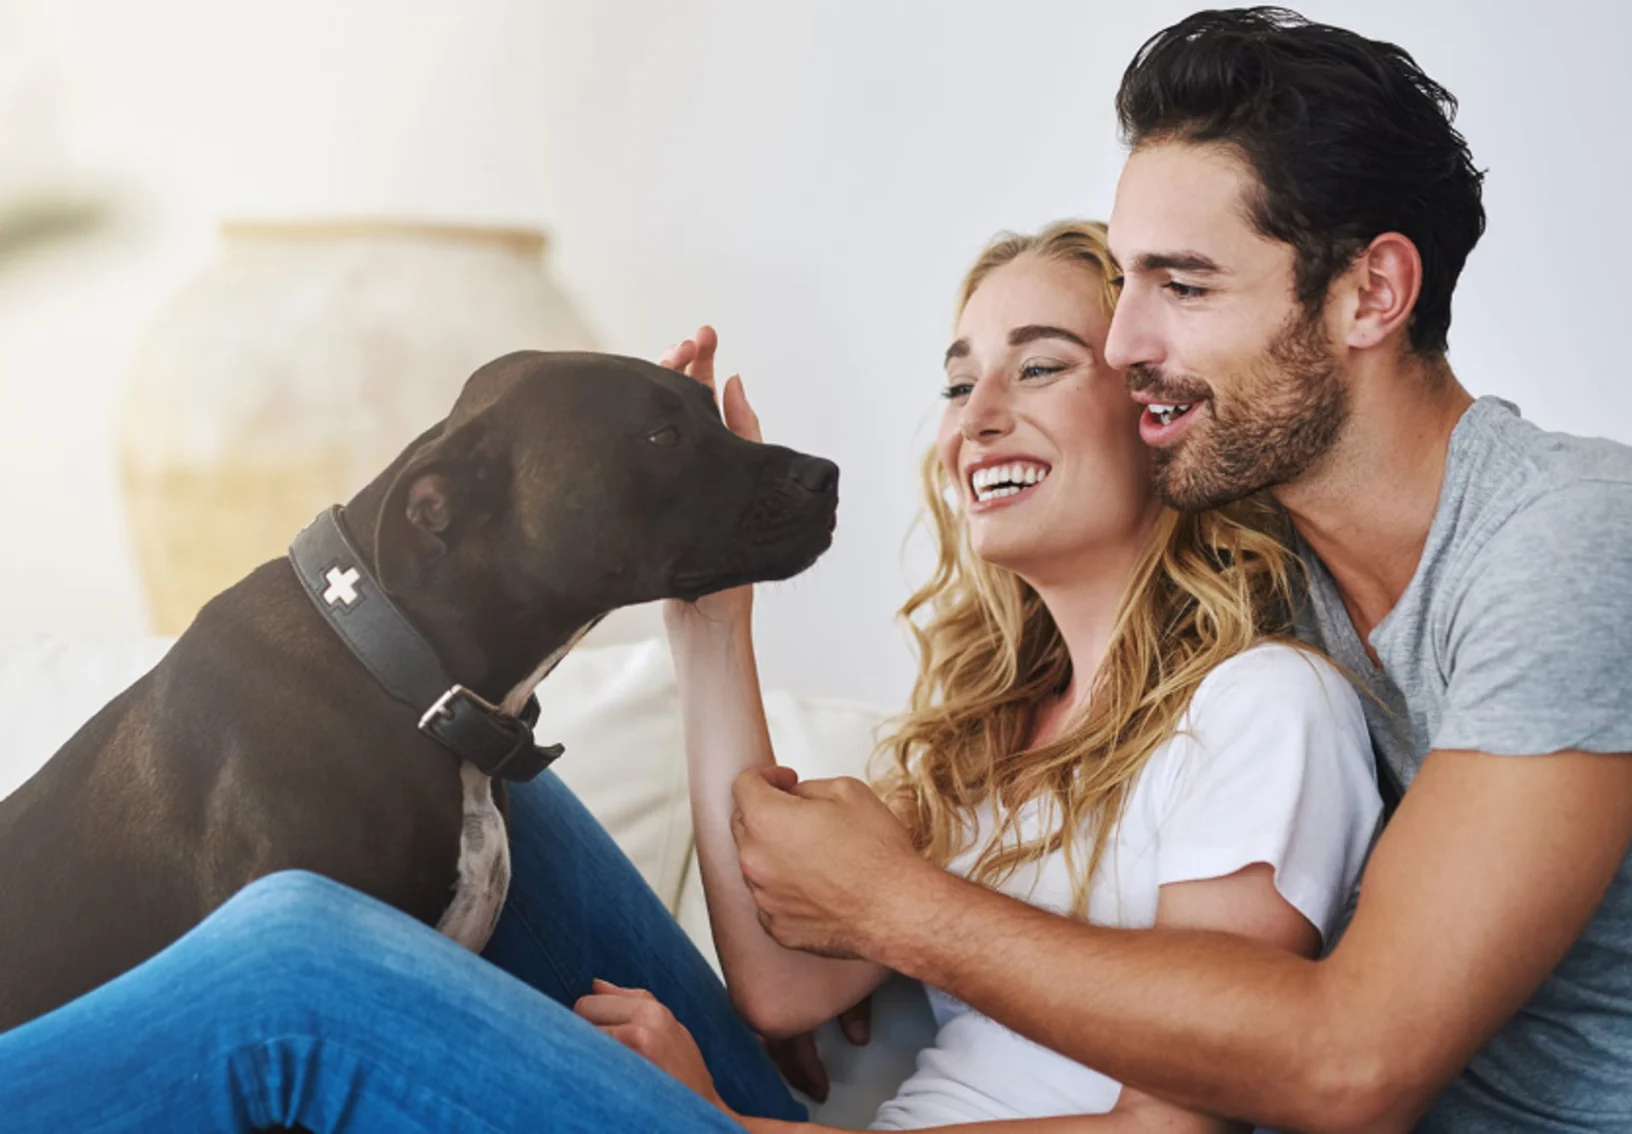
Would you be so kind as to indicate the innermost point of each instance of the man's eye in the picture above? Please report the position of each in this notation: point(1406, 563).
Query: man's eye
point(667, 436)
point(957, 390)
point(1185, 291)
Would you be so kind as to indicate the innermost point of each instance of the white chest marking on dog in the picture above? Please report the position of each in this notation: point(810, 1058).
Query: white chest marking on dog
point(484, 844)
point(517, 697)
point(342, 586)
point(484, 865)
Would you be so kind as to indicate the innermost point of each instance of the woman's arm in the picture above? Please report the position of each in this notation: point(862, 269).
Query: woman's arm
point(778, 991)
point(636, 1019)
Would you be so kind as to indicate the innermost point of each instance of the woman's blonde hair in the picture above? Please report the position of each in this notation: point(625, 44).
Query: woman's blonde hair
point(1207, 586)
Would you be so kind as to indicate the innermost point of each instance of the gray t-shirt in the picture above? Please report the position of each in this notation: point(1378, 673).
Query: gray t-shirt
point(1515, 638)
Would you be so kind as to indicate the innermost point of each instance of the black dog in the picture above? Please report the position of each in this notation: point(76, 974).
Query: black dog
point(560, 487)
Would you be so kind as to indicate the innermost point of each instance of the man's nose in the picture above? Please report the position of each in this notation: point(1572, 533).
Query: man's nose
point(1133, 338)
point(986, 411)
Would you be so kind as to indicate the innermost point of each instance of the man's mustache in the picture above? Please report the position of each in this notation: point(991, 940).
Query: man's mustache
point(1144, 378)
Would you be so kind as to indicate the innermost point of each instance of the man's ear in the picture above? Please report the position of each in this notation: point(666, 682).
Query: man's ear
point(451, 483)
point(1387, 283)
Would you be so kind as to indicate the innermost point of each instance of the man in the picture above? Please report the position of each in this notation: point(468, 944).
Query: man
point(1292, 219)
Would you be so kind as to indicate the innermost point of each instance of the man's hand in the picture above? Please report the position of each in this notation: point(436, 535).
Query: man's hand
point(640, 1022)
point(822, 859)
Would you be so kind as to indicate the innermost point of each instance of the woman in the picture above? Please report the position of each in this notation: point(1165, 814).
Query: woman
point(1087, 732)
point(1103, 725)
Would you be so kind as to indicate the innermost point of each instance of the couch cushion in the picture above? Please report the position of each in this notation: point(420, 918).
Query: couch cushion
point(617, 711)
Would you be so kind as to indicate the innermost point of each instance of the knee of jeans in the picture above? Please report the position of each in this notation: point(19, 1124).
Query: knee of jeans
point(287, 913)
point(281, 942)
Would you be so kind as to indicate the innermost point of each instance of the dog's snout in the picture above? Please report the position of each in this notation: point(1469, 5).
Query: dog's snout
point(815, 475)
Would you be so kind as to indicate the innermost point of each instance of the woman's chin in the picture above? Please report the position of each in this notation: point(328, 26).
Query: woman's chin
point(1010, 550)
point(1038, 549)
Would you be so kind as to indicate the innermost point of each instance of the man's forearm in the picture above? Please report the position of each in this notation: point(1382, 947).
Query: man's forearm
point(1210, 1021)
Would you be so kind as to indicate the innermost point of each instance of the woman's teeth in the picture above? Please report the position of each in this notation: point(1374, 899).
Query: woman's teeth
point(997, 481)
point(1166, 414)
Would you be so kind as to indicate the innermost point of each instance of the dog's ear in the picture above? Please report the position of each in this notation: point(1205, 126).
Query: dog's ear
point(453, 482)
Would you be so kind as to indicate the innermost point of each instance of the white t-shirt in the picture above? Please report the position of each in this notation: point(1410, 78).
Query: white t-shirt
point(1270, 764)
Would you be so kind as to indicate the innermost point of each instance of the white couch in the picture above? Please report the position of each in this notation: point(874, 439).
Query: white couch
point(613, 703)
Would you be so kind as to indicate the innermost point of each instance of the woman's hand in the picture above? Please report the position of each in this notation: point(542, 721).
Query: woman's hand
point(796, 1057)
point(640, 1022)
point(695, 358)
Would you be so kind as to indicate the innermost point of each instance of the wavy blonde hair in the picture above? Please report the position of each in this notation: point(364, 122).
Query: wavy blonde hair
point(1207, 586)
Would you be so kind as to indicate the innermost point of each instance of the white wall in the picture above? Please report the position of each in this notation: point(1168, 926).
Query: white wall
point(812, 177)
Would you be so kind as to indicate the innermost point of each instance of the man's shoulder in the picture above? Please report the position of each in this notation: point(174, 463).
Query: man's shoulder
point(1515, 463)
point(1519, 638)
point(1525, 493)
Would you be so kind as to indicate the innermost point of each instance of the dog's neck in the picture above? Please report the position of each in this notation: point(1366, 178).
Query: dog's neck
point(488, 641)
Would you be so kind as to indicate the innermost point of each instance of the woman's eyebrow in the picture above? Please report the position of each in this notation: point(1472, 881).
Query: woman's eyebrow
point(1034, 331)
point(1031, 332)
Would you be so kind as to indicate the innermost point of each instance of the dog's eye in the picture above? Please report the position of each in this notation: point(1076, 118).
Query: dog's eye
point(666, 436)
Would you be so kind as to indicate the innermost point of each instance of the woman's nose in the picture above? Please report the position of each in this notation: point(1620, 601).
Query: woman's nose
point(986, 412)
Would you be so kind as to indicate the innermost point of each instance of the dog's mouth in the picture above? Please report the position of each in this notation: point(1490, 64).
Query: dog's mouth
point(782, 529)
point(769, 551)
point(787, 560)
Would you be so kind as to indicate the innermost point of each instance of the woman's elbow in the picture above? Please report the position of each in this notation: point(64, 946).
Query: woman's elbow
point(770, 1015)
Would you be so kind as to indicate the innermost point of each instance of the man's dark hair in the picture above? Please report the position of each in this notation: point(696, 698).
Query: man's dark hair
point(1347, 136)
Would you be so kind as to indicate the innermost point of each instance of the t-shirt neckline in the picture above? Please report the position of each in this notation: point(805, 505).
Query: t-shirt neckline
point(1451, 482)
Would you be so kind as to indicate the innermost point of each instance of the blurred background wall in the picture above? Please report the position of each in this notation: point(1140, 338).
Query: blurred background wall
point(811, 177)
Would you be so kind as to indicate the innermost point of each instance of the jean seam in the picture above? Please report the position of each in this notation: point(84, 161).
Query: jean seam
point(538, 939)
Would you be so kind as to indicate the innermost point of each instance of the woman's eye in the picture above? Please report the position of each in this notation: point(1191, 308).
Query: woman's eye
point(667, 436)
point(956, 391)
point(1185, 291)
point(1039, 370)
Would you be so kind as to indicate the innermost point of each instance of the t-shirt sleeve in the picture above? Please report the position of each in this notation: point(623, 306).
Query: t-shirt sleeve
point(1273, 765)
point(1538, 653)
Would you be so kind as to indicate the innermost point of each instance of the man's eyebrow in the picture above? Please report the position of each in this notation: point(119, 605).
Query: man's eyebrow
point(1177, 262)
point(959, 349)
point(1034, 331)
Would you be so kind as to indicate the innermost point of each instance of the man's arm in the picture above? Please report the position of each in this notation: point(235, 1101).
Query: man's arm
point(1489, 871)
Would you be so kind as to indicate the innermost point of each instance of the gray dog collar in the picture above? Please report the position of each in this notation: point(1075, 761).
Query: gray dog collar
point(336, 577)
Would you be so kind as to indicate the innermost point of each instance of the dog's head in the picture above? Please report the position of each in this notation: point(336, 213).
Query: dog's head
point(575, 483)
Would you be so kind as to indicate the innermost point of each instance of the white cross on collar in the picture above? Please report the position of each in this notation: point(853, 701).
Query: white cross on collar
point(342, 586)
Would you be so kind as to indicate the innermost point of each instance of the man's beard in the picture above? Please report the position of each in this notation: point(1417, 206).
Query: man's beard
point(1286, 416)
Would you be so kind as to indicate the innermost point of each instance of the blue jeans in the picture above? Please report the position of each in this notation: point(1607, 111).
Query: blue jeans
point(303, 1003)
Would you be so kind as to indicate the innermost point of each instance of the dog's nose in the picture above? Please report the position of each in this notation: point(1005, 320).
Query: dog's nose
point(815, 474)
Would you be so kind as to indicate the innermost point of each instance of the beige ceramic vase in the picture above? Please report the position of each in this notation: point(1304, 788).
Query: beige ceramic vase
point(295, 369)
